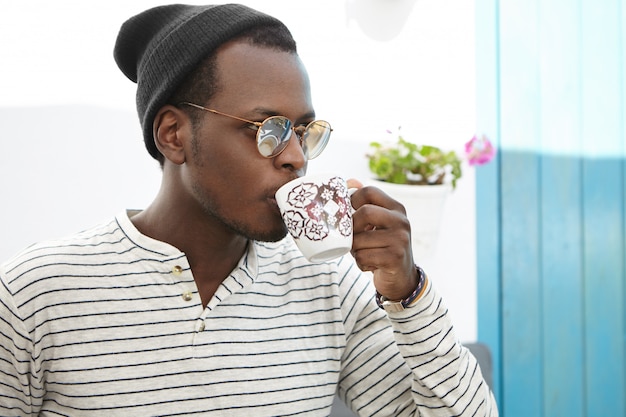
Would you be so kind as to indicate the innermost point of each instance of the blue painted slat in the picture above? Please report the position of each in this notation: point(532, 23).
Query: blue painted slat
point(602, 103)
point(561, 290)
point(561, 213)
point(622, 70)
point(519, 115)
point(604, 287)
point(487, 188)
point(488, 267)
point(521, 307)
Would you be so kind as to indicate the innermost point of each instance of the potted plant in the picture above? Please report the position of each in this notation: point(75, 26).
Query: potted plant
point(421, 177)
point(404, 162)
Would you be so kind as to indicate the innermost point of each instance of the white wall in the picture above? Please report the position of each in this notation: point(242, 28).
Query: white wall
point(72, 153)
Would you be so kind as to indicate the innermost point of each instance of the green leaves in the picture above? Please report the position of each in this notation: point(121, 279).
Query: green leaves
point(409, 163)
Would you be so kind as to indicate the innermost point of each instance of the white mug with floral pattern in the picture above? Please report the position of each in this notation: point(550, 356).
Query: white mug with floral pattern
point(318, 214)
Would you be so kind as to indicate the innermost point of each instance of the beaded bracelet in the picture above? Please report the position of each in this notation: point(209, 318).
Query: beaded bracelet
point(395, 306)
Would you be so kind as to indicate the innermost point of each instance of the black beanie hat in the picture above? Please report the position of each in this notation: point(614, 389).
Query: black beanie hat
point(160, 47)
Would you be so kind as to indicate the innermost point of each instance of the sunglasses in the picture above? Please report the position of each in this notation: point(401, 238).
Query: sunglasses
point(273, 133)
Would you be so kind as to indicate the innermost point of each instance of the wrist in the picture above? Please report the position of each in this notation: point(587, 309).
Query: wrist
point(399, 305)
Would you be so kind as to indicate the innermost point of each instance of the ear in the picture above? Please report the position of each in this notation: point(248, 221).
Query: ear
point(170, 130)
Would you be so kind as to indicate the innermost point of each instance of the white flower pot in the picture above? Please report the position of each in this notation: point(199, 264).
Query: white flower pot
point(424, 206)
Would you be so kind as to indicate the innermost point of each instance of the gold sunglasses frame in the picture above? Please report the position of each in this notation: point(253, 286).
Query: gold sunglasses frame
point(298, 130)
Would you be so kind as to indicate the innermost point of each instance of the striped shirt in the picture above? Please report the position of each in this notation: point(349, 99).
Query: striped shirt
point(110, 322)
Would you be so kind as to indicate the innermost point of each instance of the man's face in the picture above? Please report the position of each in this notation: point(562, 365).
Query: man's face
point(226, 175)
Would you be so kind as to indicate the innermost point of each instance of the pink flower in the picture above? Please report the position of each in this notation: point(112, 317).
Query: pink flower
point(479, 151)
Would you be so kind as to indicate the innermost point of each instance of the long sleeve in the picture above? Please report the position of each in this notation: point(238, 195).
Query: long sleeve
point(410, 363)
point(447, 379)
point(16, 385)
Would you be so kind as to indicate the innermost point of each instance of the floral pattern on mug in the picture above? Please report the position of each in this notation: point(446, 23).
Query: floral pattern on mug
point(325, 206)
point(303, 195)
point(294, 222)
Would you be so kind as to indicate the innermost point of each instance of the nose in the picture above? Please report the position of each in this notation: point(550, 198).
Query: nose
point(293, 156)
point(299, 131)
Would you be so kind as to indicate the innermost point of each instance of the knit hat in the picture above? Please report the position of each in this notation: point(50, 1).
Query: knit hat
point(160, 47)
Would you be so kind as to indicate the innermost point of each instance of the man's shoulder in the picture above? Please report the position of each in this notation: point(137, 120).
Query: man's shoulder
point(95, 240)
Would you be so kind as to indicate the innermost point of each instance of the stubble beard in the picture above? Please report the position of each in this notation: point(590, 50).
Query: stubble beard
point(212, 210)
point(247, 230)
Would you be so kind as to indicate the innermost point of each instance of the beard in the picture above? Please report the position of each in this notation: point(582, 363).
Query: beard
point(248, 232)
point(251, 231)
point(244, 228)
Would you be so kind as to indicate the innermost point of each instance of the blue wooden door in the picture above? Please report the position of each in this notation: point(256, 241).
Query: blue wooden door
point(551, 88)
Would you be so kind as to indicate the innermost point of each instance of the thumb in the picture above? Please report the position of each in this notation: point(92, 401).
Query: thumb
point(354, 183)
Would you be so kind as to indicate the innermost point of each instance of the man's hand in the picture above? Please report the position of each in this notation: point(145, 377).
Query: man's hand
point(382, 241)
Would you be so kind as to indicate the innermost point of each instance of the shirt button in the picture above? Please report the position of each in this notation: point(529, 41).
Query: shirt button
point(177, 270)
point(202, 327)
point(187, 296)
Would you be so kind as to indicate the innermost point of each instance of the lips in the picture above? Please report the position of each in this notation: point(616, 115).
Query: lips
point(273, 204)
point(272, 194)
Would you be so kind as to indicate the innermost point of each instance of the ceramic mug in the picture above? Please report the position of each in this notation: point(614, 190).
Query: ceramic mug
point(318, 214)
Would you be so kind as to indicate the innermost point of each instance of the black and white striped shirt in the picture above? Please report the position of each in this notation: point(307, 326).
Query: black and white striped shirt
point(109, 322)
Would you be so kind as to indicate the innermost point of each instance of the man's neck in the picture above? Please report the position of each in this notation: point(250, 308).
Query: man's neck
point(212, 249)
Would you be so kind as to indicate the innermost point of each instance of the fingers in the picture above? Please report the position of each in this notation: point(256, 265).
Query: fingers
point(367, 195)
point(354, 183)
point(375, 209)
point(382, 240)
point(381, 249)
point(382, 232)
point(371, 216)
